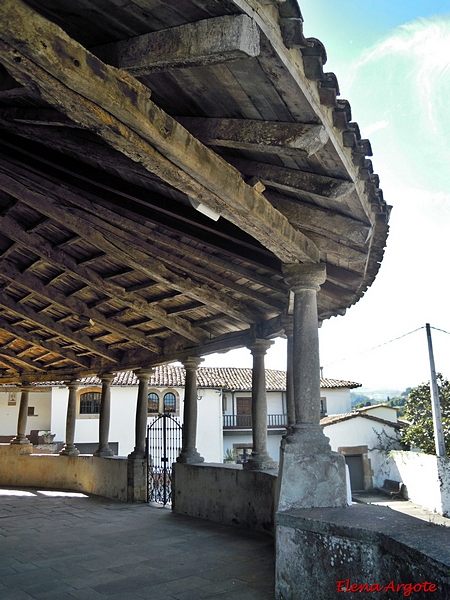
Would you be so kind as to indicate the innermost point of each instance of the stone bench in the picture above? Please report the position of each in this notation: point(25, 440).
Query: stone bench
point(394, 489)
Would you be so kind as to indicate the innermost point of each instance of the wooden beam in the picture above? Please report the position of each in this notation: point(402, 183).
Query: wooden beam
point(21, 361)
point(309, 217)
point(42, 320)
point(28, 336)
point(206, 42)
point(40, 246)
point(121, 245)
point(34, 284)
point(118, 108)
point(37, 116)
point(341, 251)
point(292, 180)
point(283, 139)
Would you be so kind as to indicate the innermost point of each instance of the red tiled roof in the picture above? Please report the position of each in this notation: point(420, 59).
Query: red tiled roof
point(332, 419)
point(228, 378)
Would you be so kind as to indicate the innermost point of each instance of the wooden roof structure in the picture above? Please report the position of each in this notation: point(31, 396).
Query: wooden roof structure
point(159, 163)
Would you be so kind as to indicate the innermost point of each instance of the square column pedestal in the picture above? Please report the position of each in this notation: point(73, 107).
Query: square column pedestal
point(311, 475)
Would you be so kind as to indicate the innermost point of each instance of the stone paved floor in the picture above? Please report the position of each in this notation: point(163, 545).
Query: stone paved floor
point(60, 547)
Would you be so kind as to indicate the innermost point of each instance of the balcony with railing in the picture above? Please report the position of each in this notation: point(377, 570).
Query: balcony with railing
point(245, 421)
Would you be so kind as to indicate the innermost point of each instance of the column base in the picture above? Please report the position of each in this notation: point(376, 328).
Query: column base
point(311, 475)
point(69, 450)
point(260, 462)
point(137, 454)
point(20, 439)
point(104, 451)
point(190, 457)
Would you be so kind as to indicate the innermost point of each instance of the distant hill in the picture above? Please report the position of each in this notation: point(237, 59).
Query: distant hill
point(375, 396)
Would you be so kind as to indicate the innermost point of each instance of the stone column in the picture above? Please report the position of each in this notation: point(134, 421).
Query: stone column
point(21, 438)
point(105, 418)
point(69, 448)
point(189, 454)
point(259, 459)
point(288, 325)
point(141, 414)
point(311, 475)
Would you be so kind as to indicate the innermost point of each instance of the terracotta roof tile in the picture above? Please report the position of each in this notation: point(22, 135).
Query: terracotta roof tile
point(228, 378)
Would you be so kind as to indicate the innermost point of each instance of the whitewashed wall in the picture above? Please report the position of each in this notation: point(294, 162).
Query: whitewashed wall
point(9, 414)
point(338, 400)
point(426, 477)
point(357, 432)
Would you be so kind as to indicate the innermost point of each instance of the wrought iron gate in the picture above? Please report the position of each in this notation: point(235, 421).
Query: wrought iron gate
point(164, 439)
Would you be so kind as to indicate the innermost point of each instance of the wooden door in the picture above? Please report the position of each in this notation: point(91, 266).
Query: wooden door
point(244, 412)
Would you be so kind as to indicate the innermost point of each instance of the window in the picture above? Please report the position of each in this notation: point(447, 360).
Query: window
point(31, 411)
point(323, 407)
point(153, 402)
point(170, 402)
point(90, 403)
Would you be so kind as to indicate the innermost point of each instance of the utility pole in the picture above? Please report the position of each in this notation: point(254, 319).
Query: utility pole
point(435, 403)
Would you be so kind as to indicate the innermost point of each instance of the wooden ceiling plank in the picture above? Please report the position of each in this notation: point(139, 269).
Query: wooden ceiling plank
point(58, 258)
point(30, 282)
point(22, 361)
point(118, 108)
point(19, 185)
point(273, 137)
point(205, 42)
point(49, 324)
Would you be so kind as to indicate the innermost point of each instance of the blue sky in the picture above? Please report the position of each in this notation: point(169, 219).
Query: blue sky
point(392, 61)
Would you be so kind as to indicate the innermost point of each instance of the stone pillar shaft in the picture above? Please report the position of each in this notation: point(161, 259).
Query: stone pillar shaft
point(189, 452)
point(290, 403)
point(105, 418)
point(21, 438)
point(69, 448)
point(141, 414)
point(311, 475)
point(259, 459)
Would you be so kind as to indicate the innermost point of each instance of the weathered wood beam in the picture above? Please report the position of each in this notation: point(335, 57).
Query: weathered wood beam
point(37, 116)
point(6, 354)
point(34, 284)
point(118, 108)
point(291, 180)
point(206, 42)
point(283, 139)
point(118, 244)
point(65, 262)
point(310, 217)
point(341, 251)
point(42, 320)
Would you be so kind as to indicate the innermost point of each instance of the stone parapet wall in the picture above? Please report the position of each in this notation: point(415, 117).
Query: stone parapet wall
point(321, 553)
point(84, 473)
point(225, 494)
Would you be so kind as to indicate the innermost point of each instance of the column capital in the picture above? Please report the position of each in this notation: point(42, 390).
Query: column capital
point(308, 276)
point(259, 347)
point(107, 377)
point(192, 363)
point(145, 373)
point(73, 385)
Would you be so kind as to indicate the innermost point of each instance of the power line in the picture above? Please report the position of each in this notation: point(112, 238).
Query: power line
point(379, 345)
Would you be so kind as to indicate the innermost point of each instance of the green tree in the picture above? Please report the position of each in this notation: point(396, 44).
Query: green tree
point(418, 412)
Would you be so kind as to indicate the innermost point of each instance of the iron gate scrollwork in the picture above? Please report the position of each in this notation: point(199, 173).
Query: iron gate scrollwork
point(164, 440)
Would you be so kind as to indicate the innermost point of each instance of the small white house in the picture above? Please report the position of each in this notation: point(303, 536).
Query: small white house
point(358, 435)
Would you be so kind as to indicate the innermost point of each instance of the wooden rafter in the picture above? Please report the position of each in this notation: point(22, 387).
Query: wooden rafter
point(119, 109)
point(52, 295)
point(28, 336)
point(120, 244)
point(58, 329)
point(205, 42)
